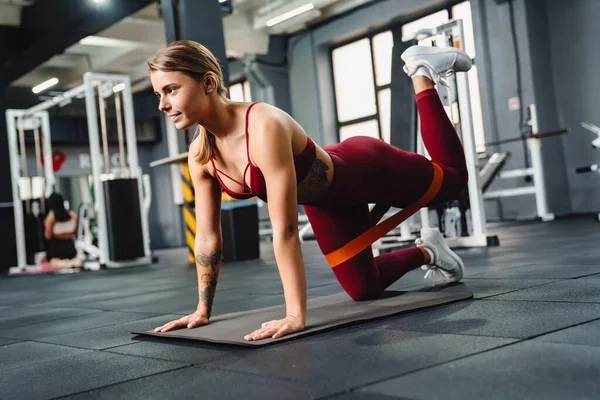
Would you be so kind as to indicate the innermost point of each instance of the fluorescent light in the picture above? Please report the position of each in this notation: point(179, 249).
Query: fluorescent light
point(101, 41)
point(118, 87)
point(45, 85)
point(290, 14)
point(222, 1)
point(99, 1)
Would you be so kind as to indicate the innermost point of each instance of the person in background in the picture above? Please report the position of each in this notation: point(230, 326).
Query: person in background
point(60, 229)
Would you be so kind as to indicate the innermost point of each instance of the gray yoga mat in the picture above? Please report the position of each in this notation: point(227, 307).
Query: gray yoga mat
point(324, 313)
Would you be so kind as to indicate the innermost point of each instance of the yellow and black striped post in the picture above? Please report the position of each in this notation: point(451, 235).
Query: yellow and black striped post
point(189, 215)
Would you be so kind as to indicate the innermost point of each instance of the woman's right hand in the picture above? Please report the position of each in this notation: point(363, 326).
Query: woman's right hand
point(189, 321)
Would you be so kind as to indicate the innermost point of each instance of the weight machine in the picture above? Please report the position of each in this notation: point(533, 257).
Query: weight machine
point(29, 191)
point(535, 172)
point(596, 145)
point(120, 196)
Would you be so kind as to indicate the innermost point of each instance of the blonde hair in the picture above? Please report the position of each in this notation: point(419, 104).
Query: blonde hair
point(194, 60)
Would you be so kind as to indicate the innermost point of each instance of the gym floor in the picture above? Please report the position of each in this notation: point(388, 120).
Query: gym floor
point(532, 331)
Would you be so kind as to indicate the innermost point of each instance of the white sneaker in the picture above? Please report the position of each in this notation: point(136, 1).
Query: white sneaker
point(440, 61)
point(445, 266)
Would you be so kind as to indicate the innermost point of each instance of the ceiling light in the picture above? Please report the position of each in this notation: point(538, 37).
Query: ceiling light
point(118, 87)
point(101, 41)
point(45, 85)
point(99, 1)
point(290, 14)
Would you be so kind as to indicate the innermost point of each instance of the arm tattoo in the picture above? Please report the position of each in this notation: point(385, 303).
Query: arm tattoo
point(318, 174)
point(210, 278)
point(209, 260)
point(208, 293)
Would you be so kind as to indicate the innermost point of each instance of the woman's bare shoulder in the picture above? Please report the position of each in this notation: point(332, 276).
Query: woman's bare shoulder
point(266, 120)
point(264, 112)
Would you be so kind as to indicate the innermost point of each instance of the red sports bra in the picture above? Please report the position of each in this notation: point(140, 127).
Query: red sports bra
point(258, 187)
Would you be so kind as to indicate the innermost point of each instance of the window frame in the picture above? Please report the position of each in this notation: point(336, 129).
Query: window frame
point(396, 24)
point(377, 87)
point(240, 81)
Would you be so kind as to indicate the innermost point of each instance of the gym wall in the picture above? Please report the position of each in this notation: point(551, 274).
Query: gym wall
point(498, 78)
point(573, 30)
point(554, 38)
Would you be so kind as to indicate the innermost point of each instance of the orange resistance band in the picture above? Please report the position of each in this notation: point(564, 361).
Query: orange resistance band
point(369, 237)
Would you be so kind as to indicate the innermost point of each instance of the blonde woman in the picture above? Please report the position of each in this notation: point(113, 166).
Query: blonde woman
point(259, 150)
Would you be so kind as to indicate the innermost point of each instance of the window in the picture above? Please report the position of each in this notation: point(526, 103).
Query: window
point(353, 75)
point(362, 77)
point(362, 73)
point(382, 55)
point(385, 105)
point(247, 93)
point(410, 29)
point(367, 128)
point(240, 92)
point(463, 11)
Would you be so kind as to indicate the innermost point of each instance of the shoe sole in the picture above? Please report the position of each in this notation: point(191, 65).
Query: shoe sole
point(454, 256)
point(427, 50)
point(415, 51)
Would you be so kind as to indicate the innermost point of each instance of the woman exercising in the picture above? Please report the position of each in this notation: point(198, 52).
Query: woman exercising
point(259, 150)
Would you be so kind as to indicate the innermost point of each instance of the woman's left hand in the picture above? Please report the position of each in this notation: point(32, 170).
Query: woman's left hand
point(277, 328)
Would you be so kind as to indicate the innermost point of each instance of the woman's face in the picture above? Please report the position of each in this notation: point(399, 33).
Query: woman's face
point(180, 97)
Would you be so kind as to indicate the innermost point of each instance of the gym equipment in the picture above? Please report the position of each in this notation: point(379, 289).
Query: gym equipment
point(532, 136)
point(123, 219)
point(239, 222)
point(324, 314)
point(594, 129)
point(26, 190)
point(452, 216)
point(537, 188)
point(107, 185)
point(491, 169)
point(123, 238)
point(595, 144)
point(86, 241)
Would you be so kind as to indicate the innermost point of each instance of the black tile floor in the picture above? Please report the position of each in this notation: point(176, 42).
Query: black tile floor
point(531, 331)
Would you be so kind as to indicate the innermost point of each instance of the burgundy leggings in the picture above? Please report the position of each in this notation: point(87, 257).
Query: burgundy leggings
point(369, 170)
